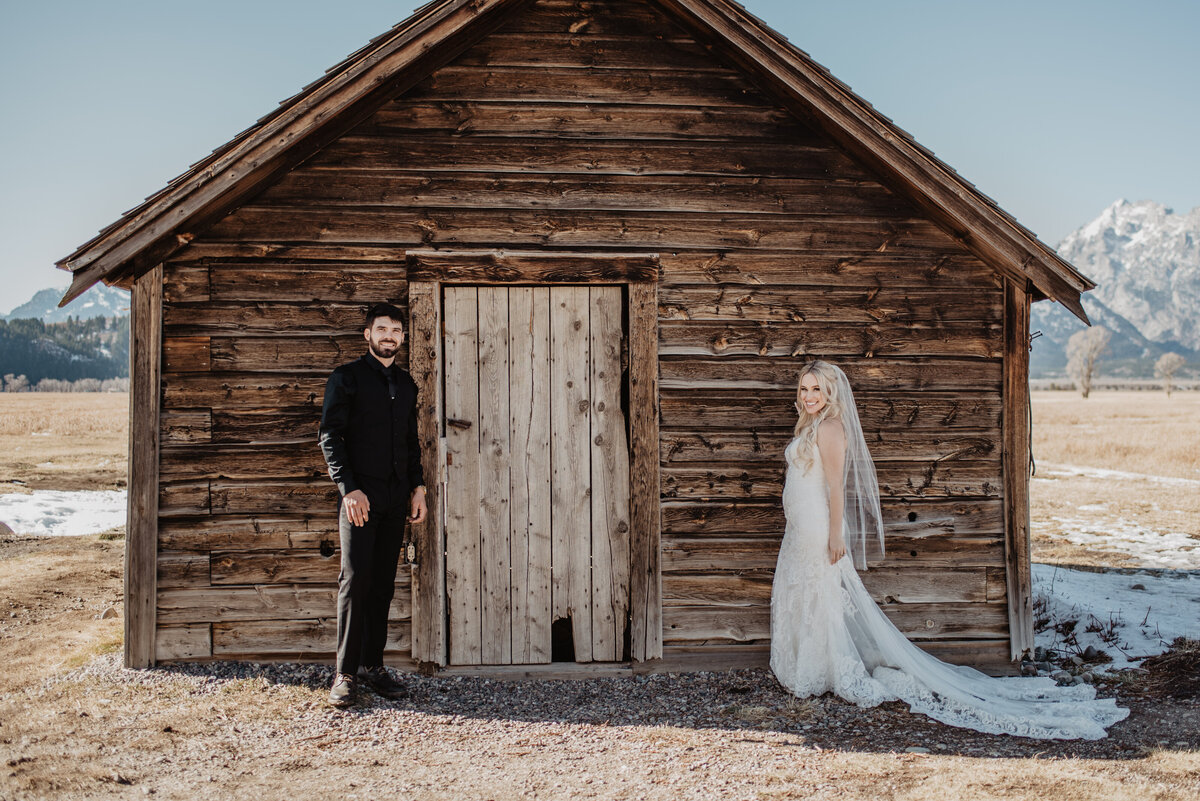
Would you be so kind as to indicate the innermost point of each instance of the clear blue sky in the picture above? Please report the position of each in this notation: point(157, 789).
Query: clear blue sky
point(1054, 108)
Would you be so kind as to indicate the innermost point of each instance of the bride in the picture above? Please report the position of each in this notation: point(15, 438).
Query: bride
point(827, 634)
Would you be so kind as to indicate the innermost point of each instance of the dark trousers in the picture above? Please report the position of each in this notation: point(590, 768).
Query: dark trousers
point(367, 581)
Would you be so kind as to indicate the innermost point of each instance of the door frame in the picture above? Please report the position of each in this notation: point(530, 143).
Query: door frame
point(427, 272)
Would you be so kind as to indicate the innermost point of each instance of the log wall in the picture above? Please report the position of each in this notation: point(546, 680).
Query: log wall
point(573, 130)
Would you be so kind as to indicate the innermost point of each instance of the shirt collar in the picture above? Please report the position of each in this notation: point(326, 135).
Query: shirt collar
point(374, 363)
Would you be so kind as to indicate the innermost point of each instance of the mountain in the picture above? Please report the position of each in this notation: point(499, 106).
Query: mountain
point(1145, 260)
point(99, 301)
point(93, 348)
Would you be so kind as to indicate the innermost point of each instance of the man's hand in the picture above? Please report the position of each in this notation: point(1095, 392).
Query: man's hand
point(357, 507)
point(417, 508)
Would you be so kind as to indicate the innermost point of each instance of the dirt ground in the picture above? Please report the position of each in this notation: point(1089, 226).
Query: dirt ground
point(74, 725)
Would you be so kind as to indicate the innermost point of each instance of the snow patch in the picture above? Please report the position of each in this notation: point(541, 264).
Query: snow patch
point(1130, 615)
point(57, 513)
point(1069, 470)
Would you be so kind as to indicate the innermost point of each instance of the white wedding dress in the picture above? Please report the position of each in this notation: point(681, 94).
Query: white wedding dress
point(827, 634)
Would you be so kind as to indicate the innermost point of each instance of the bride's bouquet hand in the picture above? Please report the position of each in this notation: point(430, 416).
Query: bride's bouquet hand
point(837, 548)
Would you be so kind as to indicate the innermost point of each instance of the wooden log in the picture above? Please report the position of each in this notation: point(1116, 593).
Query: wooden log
point(570, 444)
point(245, 461)
point(566, 49)
point(645, 583)
point(586, 19)
point(262, 602)
point(279, 425)
point(982, 340)
point(183, 499)
point(955, 621)
point(887, 585)
point(274, 497)
point(266, 318)
point(530, 472)
point(903, 517)
point(495, 453)
point(319, 566)
point(704, 554)
point(245, 391)
point(182, 569)
point(766, 445)
point(185, 283)
point(523, 228)
point(896, 480)
point(249, 532)
point(255, 637)
point(508, 267)
point(1017, 469)
point(506, 154)
point(296, 355)
point(586, 85)
point(609, 478)
point(949, 268)
point(873, 306)
point(186, 355)
point(461, 385)
point(867, 375)
point(185, 426)
point(429, 572)
point(183, 642)
point(726, 194)
point(605, 121)
point(990, 656)
point(886, 415)
point(277, 256)
point(276, 280)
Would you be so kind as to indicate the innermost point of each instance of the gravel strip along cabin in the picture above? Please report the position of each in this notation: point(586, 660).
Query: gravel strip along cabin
point(618, 228)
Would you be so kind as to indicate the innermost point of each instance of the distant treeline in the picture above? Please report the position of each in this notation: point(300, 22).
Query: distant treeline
point(97, 348)
point(19, 383)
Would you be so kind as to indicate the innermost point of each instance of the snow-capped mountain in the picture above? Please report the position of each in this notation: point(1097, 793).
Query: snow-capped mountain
point(1145, 260)
point(99, 301)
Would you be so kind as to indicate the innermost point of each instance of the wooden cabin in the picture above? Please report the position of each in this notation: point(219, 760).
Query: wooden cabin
point(619, 228)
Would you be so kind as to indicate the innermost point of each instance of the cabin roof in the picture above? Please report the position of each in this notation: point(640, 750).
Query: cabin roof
point(393, 62)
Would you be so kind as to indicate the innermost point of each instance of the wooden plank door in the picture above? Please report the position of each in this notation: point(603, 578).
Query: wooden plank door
point(537, 473)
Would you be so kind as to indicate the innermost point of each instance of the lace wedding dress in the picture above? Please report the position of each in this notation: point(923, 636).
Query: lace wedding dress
point(827, 634)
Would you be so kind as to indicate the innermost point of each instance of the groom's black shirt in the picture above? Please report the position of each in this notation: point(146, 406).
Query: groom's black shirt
point(369, 425)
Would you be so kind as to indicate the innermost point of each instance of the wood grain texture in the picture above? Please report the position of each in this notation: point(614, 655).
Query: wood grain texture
point(261, 602)
point(183, 642)
point(530, 472)
point(463, 586)
point(295, 637)
point(141, 526)
point(248, 532)
point(429, 572)
point(646, 628)
point(570, 443)
point(495, 453)
point(1016, 470)
point(609, 478)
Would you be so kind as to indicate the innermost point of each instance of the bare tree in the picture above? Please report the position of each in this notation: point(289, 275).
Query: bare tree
point(1084, 349)
point(1165, 368)
point(15, 383)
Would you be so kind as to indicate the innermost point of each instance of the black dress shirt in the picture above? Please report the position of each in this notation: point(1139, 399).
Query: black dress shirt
point(369, 425)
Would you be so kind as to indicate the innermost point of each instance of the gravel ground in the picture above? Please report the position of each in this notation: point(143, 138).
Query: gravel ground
point(235, 730)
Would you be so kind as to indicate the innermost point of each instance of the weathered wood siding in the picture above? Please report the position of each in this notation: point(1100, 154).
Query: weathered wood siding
point(572, 129)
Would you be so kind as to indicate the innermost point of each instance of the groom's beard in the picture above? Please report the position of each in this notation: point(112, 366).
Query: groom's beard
point(383, 350)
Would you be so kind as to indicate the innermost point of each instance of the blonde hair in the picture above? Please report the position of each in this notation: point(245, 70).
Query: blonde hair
point(807, 425)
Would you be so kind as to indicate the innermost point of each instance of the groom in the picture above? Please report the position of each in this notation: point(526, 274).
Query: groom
point(368, 435)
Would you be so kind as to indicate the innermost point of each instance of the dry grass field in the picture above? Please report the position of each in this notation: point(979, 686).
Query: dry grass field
point(63, 441)
point(73, 725)
point(1121, 464)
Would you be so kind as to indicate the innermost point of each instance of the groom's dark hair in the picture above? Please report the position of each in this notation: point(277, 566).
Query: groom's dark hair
point(384, 310)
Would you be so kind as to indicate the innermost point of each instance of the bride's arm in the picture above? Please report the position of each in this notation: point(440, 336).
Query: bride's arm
point(831, 441)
